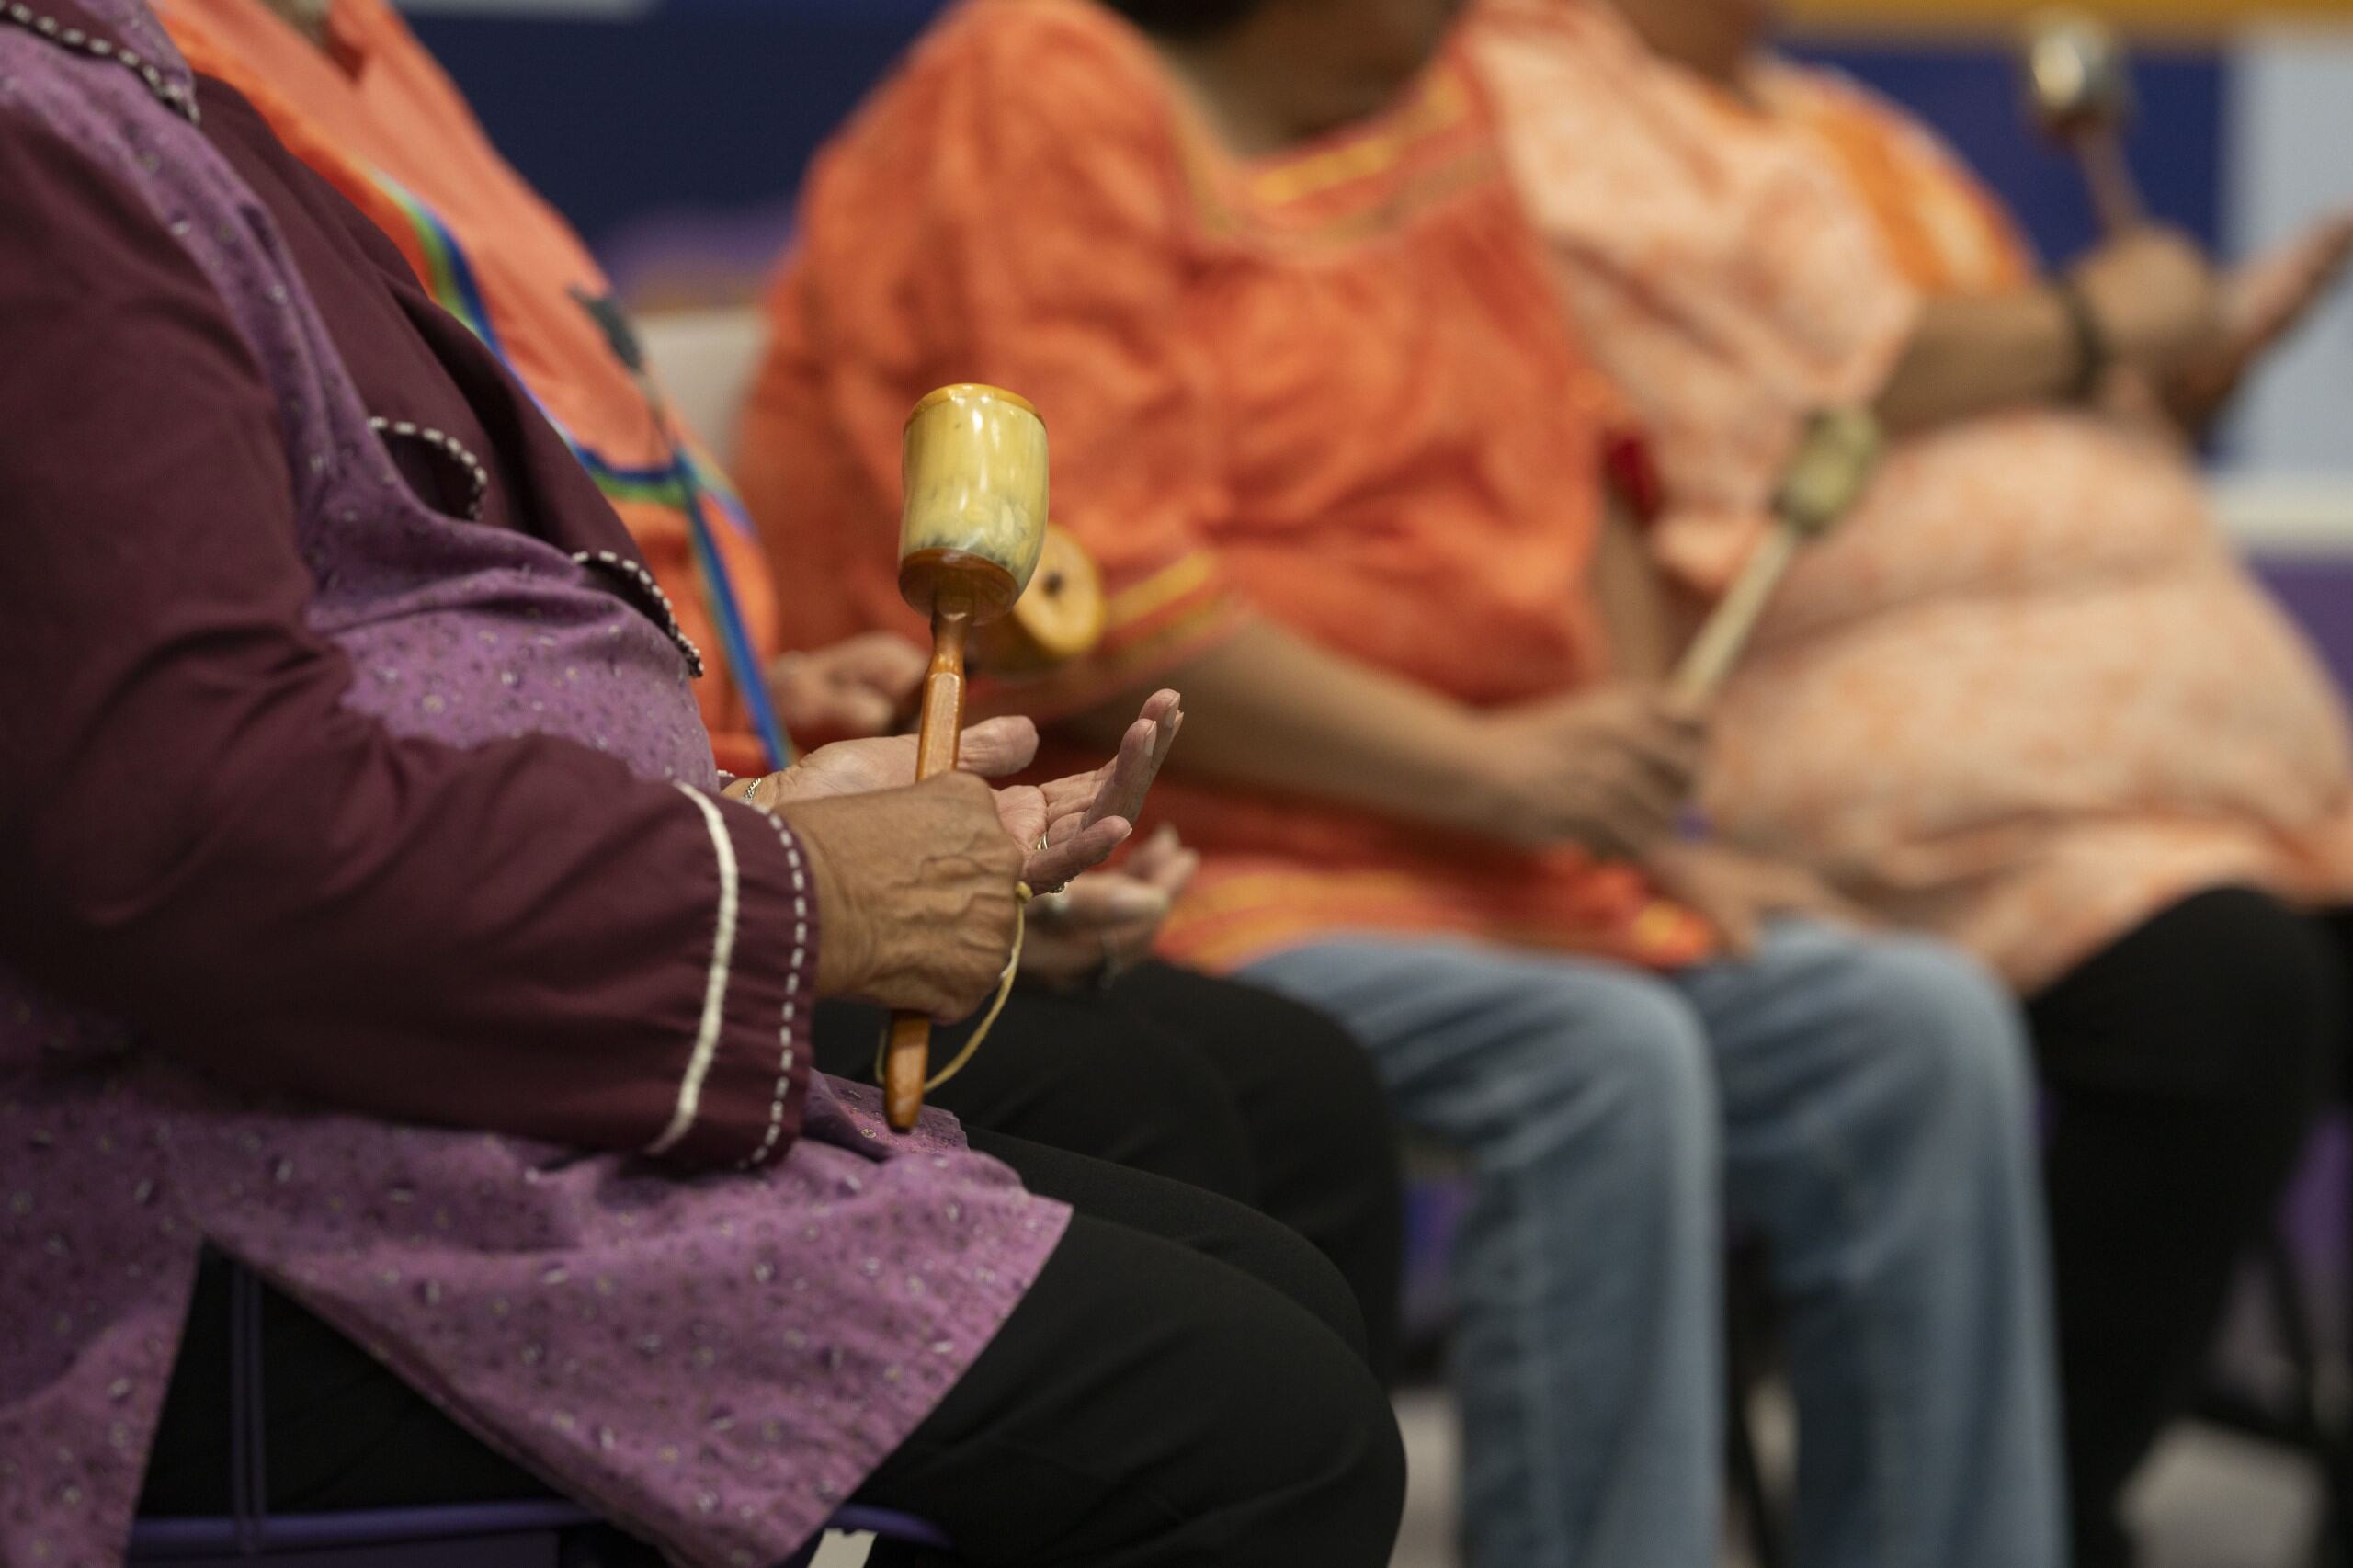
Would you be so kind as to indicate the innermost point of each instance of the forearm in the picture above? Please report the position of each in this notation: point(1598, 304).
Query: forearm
point(1973, 356)
point(1268, 709)
point(520, 937)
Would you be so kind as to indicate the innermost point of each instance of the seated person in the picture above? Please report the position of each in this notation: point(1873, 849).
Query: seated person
point(1207, 1081)
point(1314, 411)
point(369, 914)
point(2024, 698)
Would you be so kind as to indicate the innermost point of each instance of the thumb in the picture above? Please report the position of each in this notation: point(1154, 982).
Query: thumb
point(995, 747)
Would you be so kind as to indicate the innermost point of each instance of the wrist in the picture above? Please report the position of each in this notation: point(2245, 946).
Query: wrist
point(844, 956)
point(1487, 795)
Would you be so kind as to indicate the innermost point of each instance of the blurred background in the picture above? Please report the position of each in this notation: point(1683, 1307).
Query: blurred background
point(673, 133)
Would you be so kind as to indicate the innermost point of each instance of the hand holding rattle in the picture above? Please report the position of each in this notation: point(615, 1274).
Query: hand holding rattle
point(1826, 477)
point(2079, 87)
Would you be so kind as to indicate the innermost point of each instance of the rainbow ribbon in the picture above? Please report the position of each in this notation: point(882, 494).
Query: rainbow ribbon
point(683, 483)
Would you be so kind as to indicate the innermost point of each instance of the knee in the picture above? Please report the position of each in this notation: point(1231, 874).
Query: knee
point(1950, 1037)
point(1322, 1445)
point(1617, 1063)
point(1279, 1256)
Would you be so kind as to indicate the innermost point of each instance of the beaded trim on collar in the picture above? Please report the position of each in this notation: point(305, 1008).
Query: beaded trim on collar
point(652, 599)
point(171, 94)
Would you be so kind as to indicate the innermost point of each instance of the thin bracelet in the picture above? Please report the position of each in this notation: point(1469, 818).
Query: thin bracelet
point(2092, 352)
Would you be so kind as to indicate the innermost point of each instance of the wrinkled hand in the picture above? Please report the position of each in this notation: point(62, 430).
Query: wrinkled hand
point(915, 895)
point(855, 688)
point(1608, 769)
point(2154, 296)
point(1735, 892)
point(2263, 300)
point(1105, 920)
point(990, 749)
point(1082, 818)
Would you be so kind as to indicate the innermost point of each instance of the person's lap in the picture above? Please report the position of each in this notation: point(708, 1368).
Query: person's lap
point(1800, 1019)
point(1183, 1370)
point(1860, 1104)
point(2187, 1060)
point(1154, 1431)
point(1220, 1085)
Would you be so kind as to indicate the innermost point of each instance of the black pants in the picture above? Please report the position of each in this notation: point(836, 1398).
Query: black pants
point(1204, 1081)
point(2188, 1061)
point(1183, 1386)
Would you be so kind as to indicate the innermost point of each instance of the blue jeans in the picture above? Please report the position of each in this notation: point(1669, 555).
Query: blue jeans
point(1861, 1105)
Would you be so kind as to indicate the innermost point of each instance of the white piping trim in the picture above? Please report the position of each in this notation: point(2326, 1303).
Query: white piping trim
point(774, 1132)
point(714, 996)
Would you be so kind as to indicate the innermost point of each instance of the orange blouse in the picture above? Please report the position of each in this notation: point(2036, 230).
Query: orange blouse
point(377, 118)
point(1331, 388)
point(2024, 696)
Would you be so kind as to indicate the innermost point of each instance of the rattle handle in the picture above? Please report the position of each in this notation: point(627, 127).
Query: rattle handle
point(1713, 652)
point(2115, 194)
point(906, 1058)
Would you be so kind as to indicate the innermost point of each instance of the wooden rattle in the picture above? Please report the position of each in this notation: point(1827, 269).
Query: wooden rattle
point(1825, 478)
point(972, 524)
point(2079, 85)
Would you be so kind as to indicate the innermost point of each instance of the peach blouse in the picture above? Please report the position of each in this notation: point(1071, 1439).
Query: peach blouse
point(2024, 696)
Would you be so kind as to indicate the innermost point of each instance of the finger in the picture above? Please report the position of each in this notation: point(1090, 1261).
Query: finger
point(1152, 862)
point(1177, 875)
point(1668, 720)
point(1644, 799)
point(1157, 846)
point(1669, 756)
point(1170, 722)
point(860, 710)
point(881, 661)
point(1081, 851)
point(1021, 811)
point(995, 747)
point(1588, 817)
point(1106, 903)
point(1074, 794)
point(1132, 771)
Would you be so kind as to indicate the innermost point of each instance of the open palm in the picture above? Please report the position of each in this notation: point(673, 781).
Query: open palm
point(1079, 820)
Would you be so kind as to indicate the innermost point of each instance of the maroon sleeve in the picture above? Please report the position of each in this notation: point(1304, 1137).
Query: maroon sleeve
point(198, 837)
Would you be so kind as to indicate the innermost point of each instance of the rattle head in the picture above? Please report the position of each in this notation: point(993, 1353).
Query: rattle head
point(1060, 618)
point(973, 469)
point(1834, 460)
point(2076, 74)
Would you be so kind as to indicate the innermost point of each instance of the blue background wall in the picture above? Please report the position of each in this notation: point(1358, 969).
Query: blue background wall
point(711, 107)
